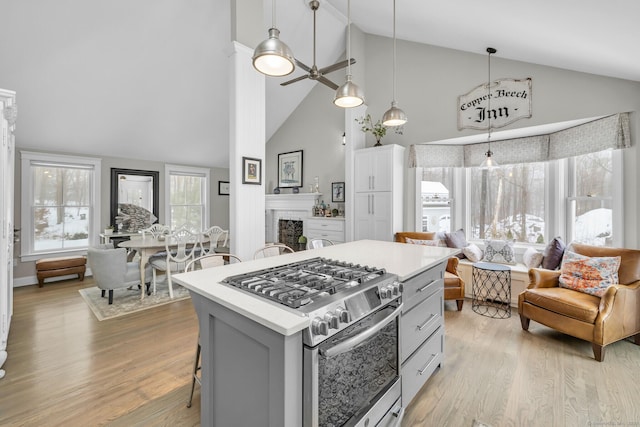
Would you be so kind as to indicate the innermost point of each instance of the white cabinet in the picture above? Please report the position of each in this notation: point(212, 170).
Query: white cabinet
point(325, 228)
point(378, 199)
point(8, 114)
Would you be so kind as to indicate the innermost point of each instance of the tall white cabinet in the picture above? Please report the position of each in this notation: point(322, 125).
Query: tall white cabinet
point(8, 114)
point(378, 200)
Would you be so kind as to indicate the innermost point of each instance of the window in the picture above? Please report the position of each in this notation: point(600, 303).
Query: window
point(188, 203)
point(590, 201)
point(507, 202)
point(437, 196)
point(579, 199)
point(59, 204)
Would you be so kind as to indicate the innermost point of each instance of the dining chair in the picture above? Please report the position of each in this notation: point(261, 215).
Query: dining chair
point(272, 249)
point(213, 234)
point(318, 243)
point(180, 248)
point(111, 270)
point(155, 230)
point(205, 261)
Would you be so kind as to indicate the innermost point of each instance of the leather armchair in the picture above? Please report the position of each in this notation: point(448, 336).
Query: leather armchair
point(453, 283)
point(599, 320)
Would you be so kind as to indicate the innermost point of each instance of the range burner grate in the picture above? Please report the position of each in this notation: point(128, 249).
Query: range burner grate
point(301, 283)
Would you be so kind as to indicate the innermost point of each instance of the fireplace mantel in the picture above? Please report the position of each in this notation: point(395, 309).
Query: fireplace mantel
point(291, 202)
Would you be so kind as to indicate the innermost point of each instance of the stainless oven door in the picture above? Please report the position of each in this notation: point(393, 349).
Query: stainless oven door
point(347, 374)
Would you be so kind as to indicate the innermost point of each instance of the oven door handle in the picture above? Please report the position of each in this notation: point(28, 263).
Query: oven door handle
point(350, 343)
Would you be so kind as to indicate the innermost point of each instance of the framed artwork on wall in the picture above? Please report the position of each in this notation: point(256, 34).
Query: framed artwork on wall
point(290, 169)
point(223, 188)
point(337, 191)
point(251, 171)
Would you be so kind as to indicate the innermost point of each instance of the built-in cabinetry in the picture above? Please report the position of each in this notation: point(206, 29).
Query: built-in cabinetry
point(325, 228)
point(378, 185)
point(8, 113)
point(422, 329)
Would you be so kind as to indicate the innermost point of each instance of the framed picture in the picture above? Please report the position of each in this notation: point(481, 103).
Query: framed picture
point(251, 171)
point(223, 188)
point(337, 191)
point(290, 169)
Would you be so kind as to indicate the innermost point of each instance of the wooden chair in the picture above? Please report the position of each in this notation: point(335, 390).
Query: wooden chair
point(600, 320)
point(180, 248)
point(155, 231)
point(213, 234)
point(318, 243)
point(205, 261)
point(273, 249)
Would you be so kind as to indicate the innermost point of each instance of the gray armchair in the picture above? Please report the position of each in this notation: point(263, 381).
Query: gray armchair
point(111, 270)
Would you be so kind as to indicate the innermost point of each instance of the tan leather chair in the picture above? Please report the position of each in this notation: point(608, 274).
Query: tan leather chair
point(599, 320)
point(453, 283)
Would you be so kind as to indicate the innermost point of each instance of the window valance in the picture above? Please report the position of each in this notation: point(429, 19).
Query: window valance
point(601, 134)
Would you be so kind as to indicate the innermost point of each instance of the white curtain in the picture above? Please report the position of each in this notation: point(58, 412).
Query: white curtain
point(601, 134)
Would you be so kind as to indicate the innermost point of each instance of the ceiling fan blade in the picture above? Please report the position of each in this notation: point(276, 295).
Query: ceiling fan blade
point(302, 65)
point(336, 66)
point(327, 82)
point(297, 79)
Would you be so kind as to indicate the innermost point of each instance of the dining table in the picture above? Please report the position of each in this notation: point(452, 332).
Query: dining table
point(146, 246)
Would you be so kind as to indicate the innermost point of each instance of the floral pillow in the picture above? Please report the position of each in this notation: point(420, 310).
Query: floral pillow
point(500, 251)
point(423, 242)
point(591, 275)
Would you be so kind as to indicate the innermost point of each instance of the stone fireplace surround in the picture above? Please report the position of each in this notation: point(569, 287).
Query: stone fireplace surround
point(295, 207)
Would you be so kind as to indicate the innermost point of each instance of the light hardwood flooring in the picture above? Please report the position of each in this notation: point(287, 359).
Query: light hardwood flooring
point(67, 369)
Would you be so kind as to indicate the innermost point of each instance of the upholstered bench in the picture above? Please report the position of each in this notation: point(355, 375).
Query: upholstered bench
point(56, 267)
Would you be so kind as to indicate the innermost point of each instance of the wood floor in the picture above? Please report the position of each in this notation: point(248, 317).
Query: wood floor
point(65, 369)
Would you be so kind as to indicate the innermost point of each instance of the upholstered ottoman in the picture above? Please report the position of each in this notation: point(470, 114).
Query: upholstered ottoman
point(55, 267)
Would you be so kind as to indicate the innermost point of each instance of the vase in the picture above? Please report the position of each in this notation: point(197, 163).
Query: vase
point(378, 144)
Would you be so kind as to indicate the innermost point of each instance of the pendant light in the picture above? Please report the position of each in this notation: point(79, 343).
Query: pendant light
point(349, 94)
point(394, 116)
point(489, 162)
point(272, 56)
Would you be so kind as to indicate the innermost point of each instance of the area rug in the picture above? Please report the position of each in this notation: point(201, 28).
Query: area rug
point(127, 301)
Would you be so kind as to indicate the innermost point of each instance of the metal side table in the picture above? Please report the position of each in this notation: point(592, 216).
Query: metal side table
point(491, 285)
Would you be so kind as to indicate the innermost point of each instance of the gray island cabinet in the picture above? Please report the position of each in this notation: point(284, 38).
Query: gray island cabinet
point(252, 351)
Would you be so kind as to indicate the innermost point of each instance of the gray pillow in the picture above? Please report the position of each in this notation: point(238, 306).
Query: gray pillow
point(552, 255)
point(456, 240)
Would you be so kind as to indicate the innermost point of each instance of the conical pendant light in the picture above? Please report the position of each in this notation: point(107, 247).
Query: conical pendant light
point(489, 162)
point(349, 94)
point(394, 116)
point(272, 56)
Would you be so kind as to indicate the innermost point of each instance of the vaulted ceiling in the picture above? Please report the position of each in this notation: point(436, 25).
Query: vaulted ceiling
point(140, 79)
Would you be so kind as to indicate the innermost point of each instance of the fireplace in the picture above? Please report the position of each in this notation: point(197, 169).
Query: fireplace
point(287, 207)
point(289, 231)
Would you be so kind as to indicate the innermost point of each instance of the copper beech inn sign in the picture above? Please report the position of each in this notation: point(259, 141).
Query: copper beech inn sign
point(510, 101)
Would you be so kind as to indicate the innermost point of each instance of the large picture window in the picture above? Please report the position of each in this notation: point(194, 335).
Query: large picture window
point(59, 203)
point(188, 205)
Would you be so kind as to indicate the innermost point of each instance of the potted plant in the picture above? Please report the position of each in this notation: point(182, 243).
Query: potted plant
point(302, 243)
point(109, 230)
point(377, 129)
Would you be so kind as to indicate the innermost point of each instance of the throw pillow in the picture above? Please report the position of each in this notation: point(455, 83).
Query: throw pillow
point(422, 242)
point(532, 258)
point(591, 275)
point(552, 255)
point(499, 251)
point(456, 240)
point(472, 252)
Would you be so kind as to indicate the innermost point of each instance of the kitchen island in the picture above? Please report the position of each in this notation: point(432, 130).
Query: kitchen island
point(252, 349)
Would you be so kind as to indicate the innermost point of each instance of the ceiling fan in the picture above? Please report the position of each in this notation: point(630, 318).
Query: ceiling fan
point(313, 72)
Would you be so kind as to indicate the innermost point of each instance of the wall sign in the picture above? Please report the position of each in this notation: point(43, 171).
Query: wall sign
point(510, 101)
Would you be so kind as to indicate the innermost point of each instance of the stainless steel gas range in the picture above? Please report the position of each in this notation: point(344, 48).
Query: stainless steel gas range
point(351, 359)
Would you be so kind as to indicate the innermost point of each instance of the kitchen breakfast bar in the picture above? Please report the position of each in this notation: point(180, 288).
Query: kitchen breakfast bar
point(353, 353)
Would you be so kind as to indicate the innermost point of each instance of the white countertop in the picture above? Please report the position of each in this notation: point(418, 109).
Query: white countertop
point(398, 258)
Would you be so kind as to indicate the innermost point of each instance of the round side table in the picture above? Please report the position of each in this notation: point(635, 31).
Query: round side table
point(491, 284)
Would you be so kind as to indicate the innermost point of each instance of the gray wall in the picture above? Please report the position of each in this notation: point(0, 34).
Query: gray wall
point(429, 80)
point(219, 205)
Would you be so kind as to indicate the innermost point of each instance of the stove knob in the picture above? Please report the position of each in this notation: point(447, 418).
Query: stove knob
point(319, 327)
point(343, 315)
point(385, 292)
point(398, 288)
point(332, 320)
